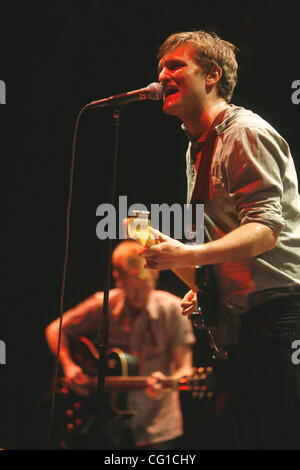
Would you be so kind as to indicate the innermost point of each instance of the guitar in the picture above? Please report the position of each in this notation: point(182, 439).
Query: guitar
point(77, 414)
point(200, 279)
point(121, 366)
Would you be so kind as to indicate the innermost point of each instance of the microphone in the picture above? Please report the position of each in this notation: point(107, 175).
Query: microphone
point(154, 91)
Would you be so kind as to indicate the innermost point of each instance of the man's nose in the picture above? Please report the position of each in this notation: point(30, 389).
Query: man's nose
point(163, 76)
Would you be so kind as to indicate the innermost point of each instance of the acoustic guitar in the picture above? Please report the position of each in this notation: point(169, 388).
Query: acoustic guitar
point(77, 414)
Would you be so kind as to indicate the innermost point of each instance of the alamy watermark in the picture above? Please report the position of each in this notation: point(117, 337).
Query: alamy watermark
point(296, 94)
point(296, 353)
point(2, 352)
point(175, 221)
point(2, 92)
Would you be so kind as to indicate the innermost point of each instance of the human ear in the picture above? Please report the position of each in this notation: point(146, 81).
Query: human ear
point(116, 277)
point(213, 76)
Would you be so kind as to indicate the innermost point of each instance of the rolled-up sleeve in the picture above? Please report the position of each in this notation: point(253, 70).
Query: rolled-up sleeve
point(255, 168)
point(82, 319)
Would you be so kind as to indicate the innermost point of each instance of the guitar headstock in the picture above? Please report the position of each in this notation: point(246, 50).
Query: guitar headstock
point(138, 227)
point(201, 383)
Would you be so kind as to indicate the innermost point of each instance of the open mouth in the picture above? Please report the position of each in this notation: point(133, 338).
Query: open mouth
point(170, 91)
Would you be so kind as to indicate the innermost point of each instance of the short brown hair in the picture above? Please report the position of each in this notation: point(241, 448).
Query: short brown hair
point(210, 50)
point(127, 261)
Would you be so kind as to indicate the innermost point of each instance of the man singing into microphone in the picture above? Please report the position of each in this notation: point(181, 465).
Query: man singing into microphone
point(242, 170)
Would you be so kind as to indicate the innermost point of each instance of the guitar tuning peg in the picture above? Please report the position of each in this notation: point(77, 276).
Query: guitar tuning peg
point(139, 213)
point(64, 391)
point(183, 380)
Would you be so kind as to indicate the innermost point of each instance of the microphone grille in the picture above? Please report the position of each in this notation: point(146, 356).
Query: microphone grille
point(155, 91)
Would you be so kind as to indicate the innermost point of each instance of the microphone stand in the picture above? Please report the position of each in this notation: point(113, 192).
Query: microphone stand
point(103, 324)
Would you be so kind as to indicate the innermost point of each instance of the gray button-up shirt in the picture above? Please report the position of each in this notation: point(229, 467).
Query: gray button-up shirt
point(151, 336)
point(252, 179)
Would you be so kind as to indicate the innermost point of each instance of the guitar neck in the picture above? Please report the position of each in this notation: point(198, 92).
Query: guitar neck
point(126, 383)
point(187, 275)
point(201, 379)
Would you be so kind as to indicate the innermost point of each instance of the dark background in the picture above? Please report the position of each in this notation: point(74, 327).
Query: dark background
point(56, 58)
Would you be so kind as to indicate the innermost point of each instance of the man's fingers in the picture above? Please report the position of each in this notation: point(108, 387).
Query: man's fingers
point(185, 305)
point(150, 264)
point(81, 379)
point(146, 252)
point(153, 385)
point(189, 303)
point(82, 391)
point(191, 295)
point(188, 298)
point(188, 311)
point(158, 235)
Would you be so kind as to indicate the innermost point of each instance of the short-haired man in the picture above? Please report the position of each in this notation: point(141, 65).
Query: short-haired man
point(146, 323)
point(248, 184)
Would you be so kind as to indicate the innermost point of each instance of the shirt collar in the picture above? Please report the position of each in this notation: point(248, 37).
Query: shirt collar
point(121, 308)
point(231, 111)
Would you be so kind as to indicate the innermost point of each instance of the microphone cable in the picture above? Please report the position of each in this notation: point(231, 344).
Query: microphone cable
point(64, 271)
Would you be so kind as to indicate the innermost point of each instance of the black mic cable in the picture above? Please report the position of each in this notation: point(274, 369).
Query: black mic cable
point(64, 271)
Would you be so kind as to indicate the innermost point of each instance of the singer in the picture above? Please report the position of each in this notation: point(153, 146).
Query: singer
point(243, 171)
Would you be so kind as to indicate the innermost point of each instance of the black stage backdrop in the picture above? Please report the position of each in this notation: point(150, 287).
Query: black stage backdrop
point(56, 57)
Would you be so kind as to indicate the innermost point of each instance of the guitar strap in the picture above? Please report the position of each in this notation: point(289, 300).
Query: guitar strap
point(201, 187)
point(204, 274)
